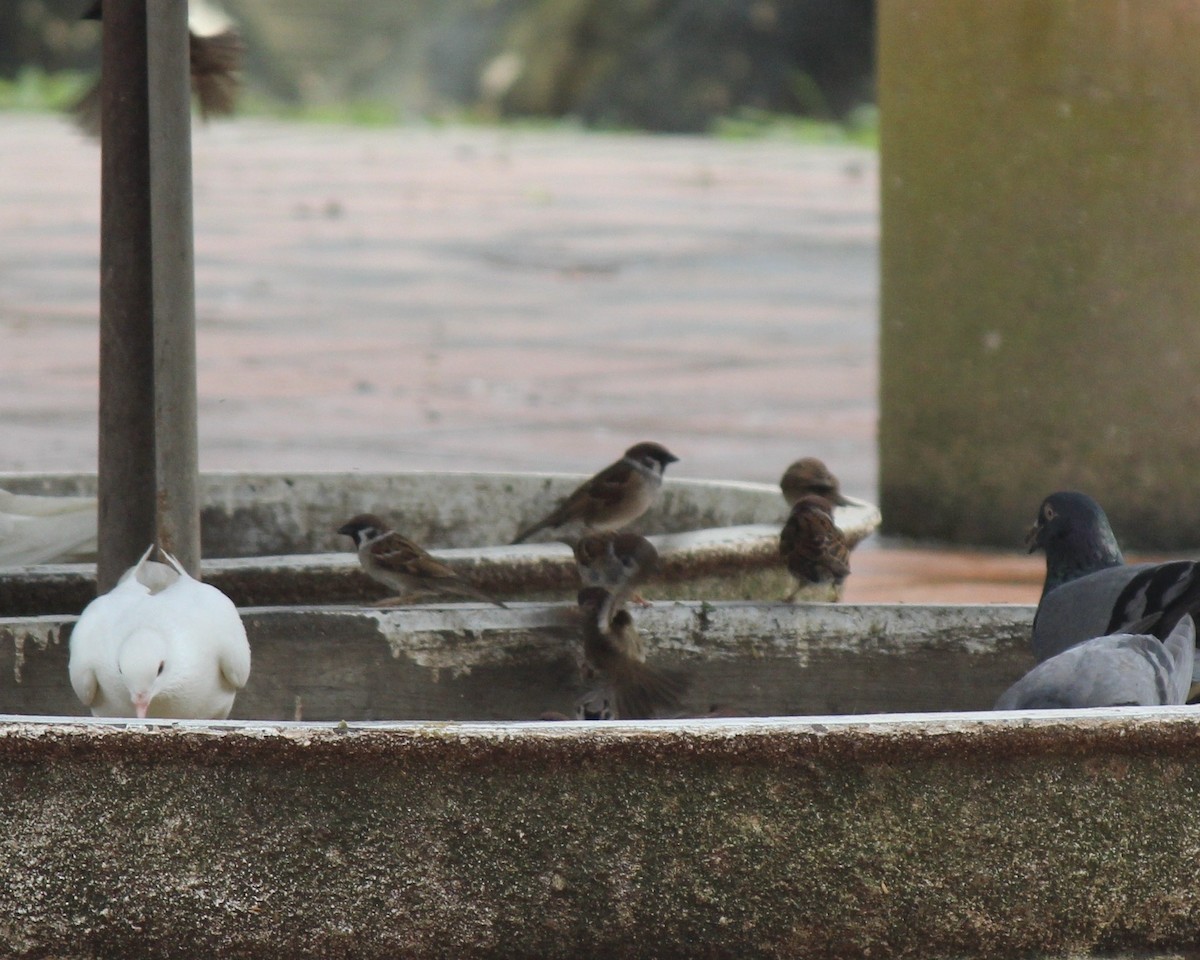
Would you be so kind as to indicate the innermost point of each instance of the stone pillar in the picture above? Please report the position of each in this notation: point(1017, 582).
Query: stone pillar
point(1041, 265)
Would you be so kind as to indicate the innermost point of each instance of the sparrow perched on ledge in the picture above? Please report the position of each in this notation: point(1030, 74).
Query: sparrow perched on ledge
point(618, 562)
point(1090, 591)
point(215, 54)
point(810, 475)
point(398, 563)
point(813, 547)
point(612, 647)
point(613, 498)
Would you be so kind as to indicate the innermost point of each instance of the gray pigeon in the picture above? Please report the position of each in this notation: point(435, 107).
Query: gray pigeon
point(1120, 670)
point(1090, 591)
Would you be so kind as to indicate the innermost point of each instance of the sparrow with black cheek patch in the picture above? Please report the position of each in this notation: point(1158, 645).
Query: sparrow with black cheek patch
point(613, 498)
point(402, 565)
point(613, 648)
point(813, 547)
point(810, 475)
point(618, 562)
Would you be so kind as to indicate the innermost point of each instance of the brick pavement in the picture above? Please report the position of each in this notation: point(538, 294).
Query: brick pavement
point(481, 298)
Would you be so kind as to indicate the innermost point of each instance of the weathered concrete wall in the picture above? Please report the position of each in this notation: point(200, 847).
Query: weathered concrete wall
point(477, 662)
point(912, 838)
point(1041, 235)
point(260, 514)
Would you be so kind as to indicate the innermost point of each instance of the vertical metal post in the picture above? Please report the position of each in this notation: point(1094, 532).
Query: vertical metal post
point(173, 281)
point(126, 448)
point(147, 462)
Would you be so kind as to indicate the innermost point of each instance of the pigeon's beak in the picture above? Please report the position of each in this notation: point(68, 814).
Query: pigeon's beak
point(1031, 538)
point(141, 703)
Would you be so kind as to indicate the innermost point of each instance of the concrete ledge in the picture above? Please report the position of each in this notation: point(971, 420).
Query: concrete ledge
point(479, 662)
point(964, 836)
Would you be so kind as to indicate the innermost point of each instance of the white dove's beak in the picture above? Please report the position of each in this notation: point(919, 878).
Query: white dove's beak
point(141, 703)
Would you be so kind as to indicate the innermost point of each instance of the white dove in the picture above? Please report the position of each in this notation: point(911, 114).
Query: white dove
point(35, 529)
point(159, 644)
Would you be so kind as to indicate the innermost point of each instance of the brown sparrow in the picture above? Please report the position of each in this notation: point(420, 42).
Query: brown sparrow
point(614, 497)
point(810, 475)
point(397, 562)
point(613, 649)
point(618, 562)
point(214, 56)
point(813, 547)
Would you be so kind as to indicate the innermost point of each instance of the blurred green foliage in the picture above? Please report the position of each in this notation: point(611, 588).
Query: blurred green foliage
point(35, 89)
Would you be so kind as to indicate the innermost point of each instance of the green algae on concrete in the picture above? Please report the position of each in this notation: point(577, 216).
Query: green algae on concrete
point(910, 837)
point(1040, 241)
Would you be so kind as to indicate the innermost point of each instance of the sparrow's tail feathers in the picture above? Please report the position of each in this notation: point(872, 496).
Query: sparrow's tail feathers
point(468, 589)
point(529, 532)
point(215, 62)
point(86, 111)
point(642, 692)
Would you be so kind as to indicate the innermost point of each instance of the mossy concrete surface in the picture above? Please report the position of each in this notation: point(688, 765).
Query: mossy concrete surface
point(1040, 235)
point(906, 837)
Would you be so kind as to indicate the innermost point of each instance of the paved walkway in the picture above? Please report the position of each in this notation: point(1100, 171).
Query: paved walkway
point(374, 299)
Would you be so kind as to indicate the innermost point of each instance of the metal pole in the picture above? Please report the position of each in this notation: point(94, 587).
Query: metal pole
point(126, 442)
point(173, 281)
point(147, 463)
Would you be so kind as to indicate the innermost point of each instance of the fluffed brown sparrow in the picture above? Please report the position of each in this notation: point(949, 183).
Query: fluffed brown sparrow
point(613, 648)
point(613, 498)
point(215, 53)
point(813, 547)
point(397, 562)
point(618, 562)
point(810, 475)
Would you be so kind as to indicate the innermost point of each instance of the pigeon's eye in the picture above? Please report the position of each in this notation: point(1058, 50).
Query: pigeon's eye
point(1048, 513)
point(160, 668)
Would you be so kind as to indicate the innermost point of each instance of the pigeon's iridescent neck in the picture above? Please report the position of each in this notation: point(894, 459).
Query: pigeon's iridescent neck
point(1071, 564)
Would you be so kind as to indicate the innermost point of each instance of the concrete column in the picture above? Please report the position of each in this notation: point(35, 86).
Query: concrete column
point(1041, 265)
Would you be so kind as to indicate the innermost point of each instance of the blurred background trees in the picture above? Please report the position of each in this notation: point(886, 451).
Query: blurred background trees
point(667, 65)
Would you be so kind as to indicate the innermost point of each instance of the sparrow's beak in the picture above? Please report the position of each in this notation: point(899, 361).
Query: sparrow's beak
point(141, 703)
point(1031, 538)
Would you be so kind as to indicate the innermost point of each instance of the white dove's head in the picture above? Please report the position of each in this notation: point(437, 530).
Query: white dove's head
point(143, 662)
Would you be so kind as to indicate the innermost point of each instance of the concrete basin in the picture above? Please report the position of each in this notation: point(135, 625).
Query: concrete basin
point(414, 811)
point(270, 538)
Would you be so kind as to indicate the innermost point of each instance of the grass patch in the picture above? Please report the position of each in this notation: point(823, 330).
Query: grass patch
point(35, 90)
point(860, 128)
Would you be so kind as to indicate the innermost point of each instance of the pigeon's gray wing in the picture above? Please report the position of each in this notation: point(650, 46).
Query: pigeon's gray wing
point(1114, 671)
point(1181, 650)
point(1153, 595)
